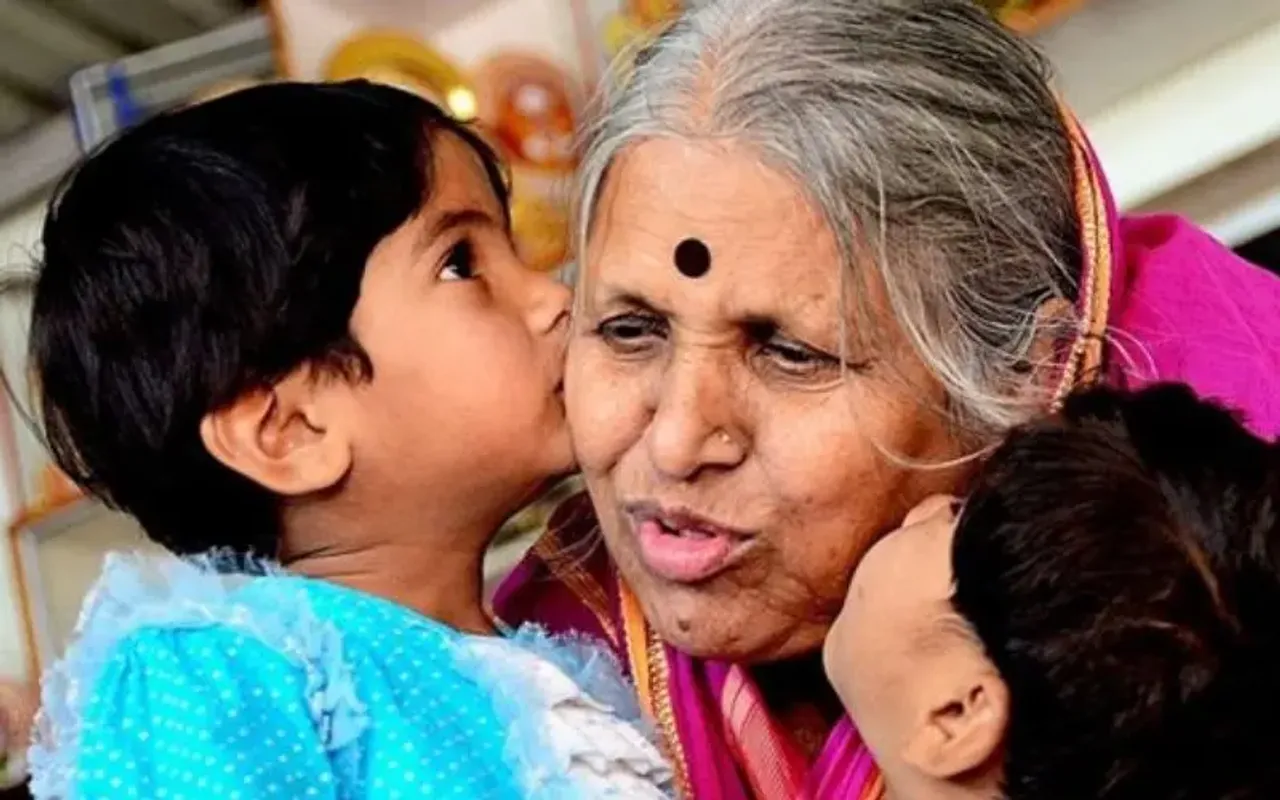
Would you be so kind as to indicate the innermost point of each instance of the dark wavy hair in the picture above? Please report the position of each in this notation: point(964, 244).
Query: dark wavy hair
point(1121, 565)
point(206, 252)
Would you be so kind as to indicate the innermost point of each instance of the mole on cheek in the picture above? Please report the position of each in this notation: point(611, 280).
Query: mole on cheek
point(692, 258)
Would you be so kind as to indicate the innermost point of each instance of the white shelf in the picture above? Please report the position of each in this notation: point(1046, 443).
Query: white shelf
point(1170, 90)
point(1237, 202)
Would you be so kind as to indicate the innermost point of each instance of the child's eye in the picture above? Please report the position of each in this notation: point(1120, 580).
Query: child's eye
point(459, 264)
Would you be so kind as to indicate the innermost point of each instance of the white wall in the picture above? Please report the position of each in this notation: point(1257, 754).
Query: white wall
point(1170, 90)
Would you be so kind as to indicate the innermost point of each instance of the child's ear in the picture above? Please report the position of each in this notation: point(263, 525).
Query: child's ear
point(963, 732)
point(284, 437)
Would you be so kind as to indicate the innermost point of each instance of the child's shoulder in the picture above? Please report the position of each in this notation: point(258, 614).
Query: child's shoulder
point(140, 601)
point(154, 611)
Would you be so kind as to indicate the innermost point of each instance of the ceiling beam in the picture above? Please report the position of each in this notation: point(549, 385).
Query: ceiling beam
point(207, 13)
point(41, 48)
point(142, 23)
point(36, 158)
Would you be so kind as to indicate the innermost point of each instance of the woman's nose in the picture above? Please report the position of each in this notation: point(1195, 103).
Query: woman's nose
point(692, 427)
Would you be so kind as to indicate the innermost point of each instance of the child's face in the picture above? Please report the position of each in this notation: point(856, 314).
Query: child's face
point(464, 407)
point(901, 659)
point(900, 589)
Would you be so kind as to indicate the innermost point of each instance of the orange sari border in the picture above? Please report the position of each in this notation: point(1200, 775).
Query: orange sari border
point(636, 633)
point(1085, 360)
point(649, 668)
point(567, 569)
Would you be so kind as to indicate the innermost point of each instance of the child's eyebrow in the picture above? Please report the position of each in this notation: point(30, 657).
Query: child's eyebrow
point(446, 221)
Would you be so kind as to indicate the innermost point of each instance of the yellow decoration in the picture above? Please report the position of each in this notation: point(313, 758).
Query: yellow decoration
point(652, 13)
point(621, 32)
point(542, 231)
point(461, 102)
point(1029, 16)
point(635, 24)
point(400, 60)
point(529, 106)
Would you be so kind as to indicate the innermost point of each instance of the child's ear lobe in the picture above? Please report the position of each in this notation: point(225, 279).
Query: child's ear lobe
point(963, 733)
point(283, 437)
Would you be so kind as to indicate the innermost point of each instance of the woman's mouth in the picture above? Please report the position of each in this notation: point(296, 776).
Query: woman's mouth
point(682, 547)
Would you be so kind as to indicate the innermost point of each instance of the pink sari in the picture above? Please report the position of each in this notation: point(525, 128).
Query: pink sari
point(1160, 301)
point(713, 723)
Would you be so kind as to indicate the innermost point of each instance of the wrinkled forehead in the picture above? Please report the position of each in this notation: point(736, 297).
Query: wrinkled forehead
point(767, 242)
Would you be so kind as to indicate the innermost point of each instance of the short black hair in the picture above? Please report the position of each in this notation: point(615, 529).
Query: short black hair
point(206, 252)
point(1121, 566)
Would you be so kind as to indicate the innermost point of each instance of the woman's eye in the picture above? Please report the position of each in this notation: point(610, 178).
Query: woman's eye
point(797, 360)
point(459, 264)
point(631, 330)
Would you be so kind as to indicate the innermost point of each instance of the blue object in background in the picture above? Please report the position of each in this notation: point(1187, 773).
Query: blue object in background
point(123, 105)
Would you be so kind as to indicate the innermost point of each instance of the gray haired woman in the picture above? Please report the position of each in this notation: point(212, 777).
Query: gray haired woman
point(831, 251)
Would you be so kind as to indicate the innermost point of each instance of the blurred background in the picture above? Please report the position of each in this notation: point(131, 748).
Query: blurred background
point(1179, 96)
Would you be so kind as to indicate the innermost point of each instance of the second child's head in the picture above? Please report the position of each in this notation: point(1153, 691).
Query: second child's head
point(297, 308)
point(1099, 621)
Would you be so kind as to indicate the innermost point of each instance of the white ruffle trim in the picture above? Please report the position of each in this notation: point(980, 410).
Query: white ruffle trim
point(574, 726)
point(138, 591)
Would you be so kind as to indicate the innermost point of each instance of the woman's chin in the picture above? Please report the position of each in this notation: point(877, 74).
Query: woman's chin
point(722, 629)
point(726, 616)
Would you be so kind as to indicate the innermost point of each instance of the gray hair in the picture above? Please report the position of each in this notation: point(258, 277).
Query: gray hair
point(927, 136)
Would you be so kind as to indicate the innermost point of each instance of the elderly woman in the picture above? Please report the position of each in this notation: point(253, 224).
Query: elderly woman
point(832, 250)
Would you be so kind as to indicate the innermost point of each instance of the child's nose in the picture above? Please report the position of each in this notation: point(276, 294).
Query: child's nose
point(552, 301)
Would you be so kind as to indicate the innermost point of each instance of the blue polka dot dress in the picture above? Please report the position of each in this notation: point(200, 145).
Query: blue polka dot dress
point(193, 679)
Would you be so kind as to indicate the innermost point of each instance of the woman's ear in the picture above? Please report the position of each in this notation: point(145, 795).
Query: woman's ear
point(963, 731)
point(284, 437)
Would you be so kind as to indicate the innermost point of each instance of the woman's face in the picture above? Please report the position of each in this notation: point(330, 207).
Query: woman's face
point(730, 440)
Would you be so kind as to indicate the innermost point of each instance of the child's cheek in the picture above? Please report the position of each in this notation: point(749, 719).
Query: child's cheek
point(835, 651)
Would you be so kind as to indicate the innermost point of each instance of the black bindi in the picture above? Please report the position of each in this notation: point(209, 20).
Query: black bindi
point(693, 258)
